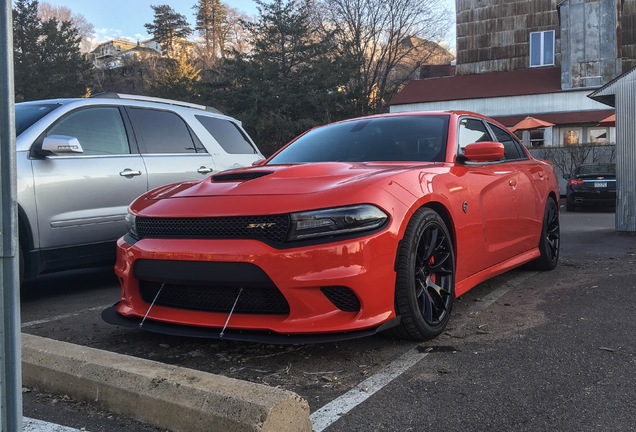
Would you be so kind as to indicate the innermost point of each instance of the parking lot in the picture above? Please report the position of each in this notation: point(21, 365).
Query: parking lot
point(524, 351)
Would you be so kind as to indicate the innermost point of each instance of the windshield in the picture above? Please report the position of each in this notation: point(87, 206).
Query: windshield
point(398, 138)
point(27, 114)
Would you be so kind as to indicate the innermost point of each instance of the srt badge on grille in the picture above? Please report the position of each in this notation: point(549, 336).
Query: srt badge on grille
point(262, 225)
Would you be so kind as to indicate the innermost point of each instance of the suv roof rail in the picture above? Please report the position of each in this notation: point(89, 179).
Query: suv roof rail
point(114, 95)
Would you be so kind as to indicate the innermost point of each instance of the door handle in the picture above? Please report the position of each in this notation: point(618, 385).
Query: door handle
point(128, 173)
point(204, 170)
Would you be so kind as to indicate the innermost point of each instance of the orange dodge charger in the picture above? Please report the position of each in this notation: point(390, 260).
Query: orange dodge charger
point(365, 225)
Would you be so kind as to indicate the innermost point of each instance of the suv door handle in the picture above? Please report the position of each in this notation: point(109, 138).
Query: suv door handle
point(204, 170)
point(128, 173)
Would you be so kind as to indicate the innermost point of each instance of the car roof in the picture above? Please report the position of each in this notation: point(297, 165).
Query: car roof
point(127, 99)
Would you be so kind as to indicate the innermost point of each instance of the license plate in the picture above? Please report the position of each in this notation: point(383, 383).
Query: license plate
point(600, 184)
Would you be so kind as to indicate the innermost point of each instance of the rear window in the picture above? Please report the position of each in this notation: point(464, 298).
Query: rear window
point(227, 134)
point(27, 114)
point(596, 169)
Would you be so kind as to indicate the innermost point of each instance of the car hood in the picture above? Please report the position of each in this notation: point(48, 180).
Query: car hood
point(285, 179)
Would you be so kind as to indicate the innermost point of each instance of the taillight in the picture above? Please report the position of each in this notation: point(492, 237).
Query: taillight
point(576, 182)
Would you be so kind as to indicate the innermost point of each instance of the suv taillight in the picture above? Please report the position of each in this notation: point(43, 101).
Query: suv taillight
point(576, 182)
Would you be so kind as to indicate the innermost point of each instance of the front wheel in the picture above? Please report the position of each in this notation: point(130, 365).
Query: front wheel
point(425, 281)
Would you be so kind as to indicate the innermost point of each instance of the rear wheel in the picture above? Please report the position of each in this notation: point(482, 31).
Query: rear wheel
point(424, 291)
point(550, 242)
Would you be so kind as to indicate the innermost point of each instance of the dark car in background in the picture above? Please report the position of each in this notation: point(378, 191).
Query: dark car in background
point(592, 184)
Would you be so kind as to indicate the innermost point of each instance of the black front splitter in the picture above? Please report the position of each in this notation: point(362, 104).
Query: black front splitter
point(111, 316)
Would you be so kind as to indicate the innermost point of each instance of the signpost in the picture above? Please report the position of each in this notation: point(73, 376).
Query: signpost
point(10, 365)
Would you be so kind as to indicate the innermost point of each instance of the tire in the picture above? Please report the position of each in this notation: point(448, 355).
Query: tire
point(425, 282)
point(550, 242)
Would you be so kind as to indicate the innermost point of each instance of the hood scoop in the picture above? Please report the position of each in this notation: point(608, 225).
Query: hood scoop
point(239, 176)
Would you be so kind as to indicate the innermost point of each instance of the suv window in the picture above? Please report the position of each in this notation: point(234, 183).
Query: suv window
point(511, 146)
point(227, 135)
point(162, 132)
point(100, 130)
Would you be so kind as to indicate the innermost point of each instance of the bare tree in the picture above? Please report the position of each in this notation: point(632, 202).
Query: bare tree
point(85, 29)
point(378, 34)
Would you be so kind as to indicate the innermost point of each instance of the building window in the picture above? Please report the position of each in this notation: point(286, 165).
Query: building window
point(542, 48)
point(571, 137)
point(598, 136)
point(537, 137)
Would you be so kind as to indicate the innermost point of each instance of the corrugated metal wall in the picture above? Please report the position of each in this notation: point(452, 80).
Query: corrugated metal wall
point(625, 93)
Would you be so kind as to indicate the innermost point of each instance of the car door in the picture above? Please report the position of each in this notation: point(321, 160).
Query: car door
point(528, 178)
point(170, 150)
point(490, 192)
point(82, 198)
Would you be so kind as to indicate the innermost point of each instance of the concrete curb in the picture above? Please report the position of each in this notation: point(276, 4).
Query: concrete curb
point(171, 397)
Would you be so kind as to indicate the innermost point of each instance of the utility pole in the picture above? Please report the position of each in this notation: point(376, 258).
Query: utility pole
point(10, 363)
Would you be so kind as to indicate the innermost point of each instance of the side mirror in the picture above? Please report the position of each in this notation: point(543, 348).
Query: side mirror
point(485, 151)
point(61, 145)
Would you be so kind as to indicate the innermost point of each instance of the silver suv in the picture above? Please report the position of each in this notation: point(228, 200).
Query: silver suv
point(80, 162)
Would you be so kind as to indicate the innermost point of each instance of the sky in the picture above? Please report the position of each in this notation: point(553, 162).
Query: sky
point(125, 19)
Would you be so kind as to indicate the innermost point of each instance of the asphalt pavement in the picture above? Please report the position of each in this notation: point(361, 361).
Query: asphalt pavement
point(527, 351)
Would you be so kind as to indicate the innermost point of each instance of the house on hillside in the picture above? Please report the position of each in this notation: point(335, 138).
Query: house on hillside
point(539, 58)
point(111, 54)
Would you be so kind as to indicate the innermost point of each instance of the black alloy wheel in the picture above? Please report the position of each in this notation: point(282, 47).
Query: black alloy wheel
point(550, 241)
point(424, 291)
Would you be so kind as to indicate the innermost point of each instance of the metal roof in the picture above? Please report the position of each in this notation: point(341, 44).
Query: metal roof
point(486, 85)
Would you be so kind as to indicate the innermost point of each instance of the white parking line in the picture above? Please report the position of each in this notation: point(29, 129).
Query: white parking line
point(63, 316)
point(330, 413)
point(33, 425)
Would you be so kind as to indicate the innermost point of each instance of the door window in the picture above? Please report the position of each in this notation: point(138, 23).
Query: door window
point(99, 130)
point(512, 148)
point(163, 132)
point(472, 131)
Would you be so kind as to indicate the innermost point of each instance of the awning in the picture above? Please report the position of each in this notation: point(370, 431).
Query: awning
point(608, 121)
point(530, 123)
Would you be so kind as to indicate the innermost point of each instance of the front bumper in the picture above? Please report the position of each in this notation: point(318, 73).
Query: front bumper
point(363, 266)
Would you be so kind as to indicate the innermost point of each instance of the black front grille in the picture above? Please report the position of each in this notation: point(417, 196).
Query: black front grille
point(267, 228)
point(209, 286)
point(342, 298)
point(212, 298)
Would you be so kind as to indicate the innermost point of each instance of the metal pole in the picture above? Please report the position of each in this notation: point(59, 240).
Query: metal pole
point(10, 363)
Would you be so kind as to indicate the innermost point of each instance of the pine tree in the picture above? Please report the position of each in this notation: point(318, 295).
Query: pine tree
point(47, 58)
point(211, 16)
point(169, 28)
point(289, 81)
point(180, 80)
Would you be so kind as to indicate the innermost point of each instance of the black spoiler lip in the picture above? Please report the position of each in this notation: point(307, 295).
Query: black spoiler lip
point(111, 316)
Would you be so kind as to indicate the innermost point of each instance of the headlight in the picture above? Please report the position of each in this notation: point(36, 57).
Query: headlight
point(131, 220)
point(335, 221)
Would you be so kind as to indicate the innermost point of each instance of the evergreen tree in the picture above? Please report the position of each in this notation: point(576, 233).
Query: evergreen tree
point(289, 81)
point(169, 28)
point(47, 59)
point(211, 16)
point(180, 80)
